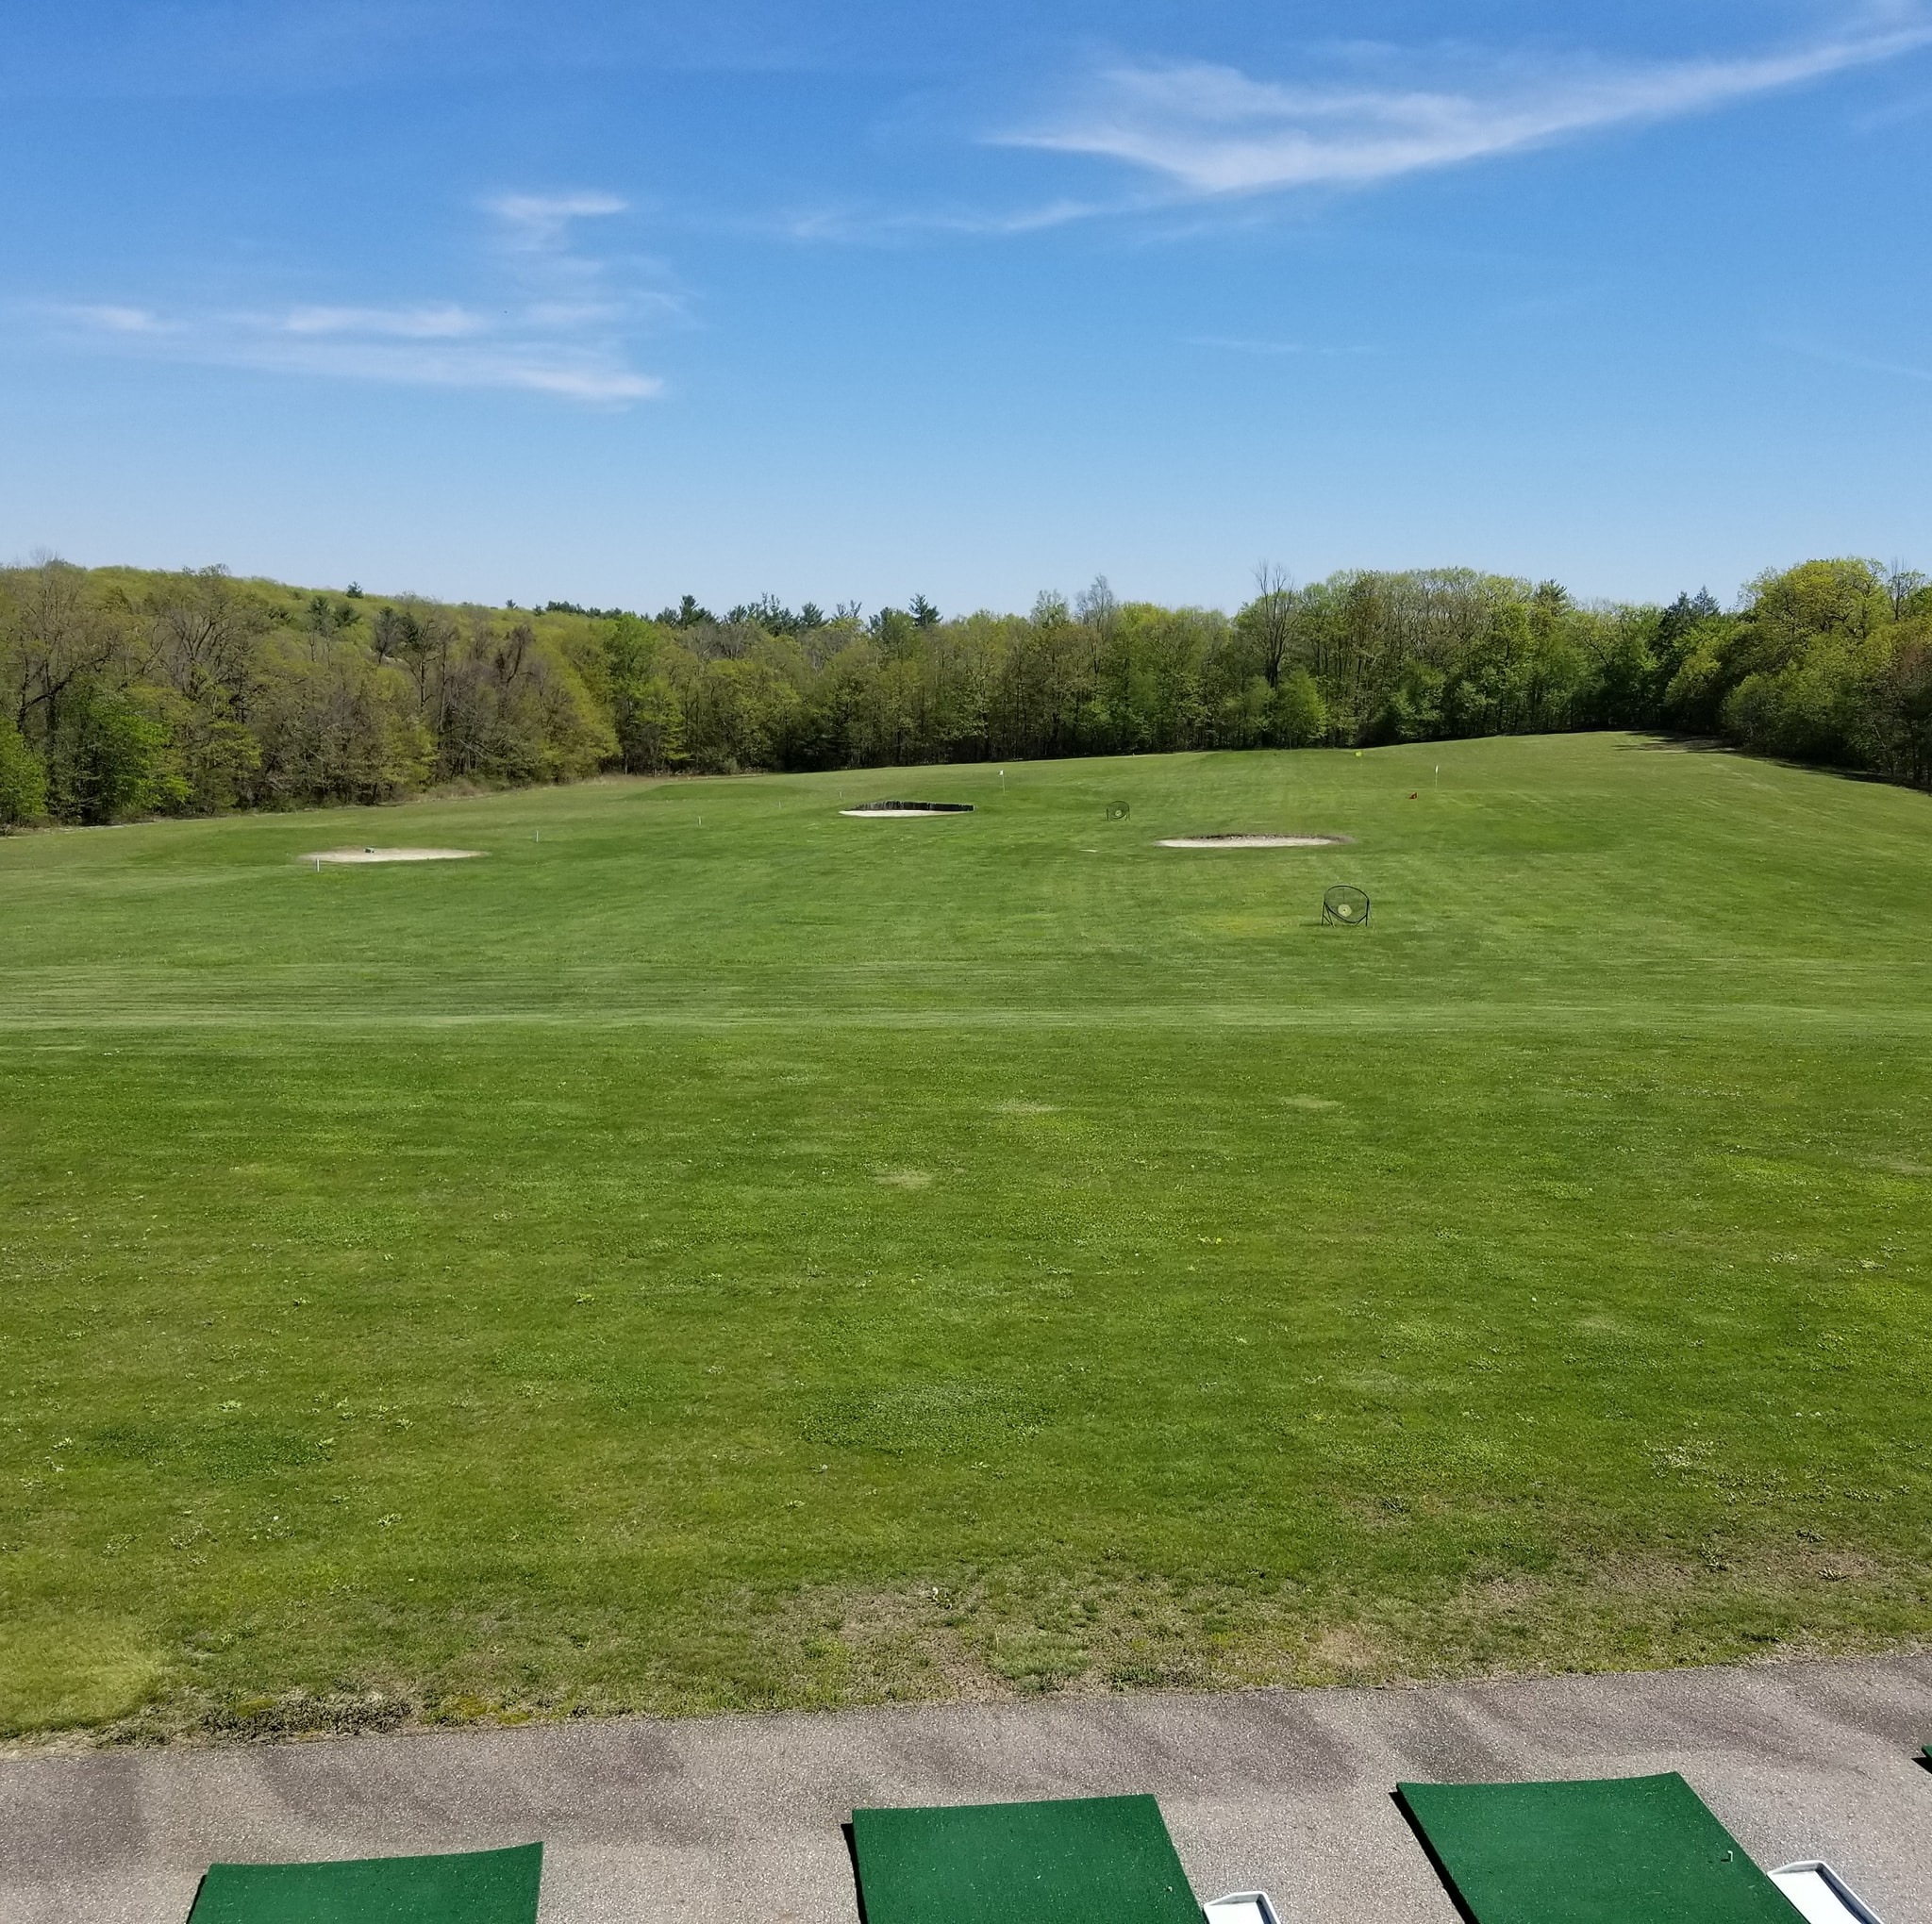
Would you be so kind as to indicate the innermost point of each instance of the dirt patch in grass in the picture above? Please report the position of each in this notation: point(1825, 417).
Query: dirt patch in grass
point(1350, 1652)
point(992, 1635)
point(982, 1635)
point(976, 1637)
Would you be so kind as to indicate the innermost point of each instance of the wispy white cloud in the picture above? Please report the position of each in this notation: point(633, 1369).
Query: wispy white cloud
point(111, 319)
point(567, 369)
point(1229, 345)
point(849, 223)
point(564, 332)
point(1214, 131)
point(446, 322)
point(1864, 364)
point(350, 350)
point(541, 222)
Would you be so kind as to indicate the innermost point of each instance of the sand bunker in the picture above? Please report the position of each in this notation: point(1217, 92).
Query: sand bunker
point(394, 856)
point(908, 811)
point(1254, 842)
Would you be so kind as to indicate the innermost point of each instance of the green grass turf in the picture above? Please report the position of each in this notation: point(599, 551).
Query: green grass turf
point(724, 1254)
point(1611, 1850)
point(1083, 1860)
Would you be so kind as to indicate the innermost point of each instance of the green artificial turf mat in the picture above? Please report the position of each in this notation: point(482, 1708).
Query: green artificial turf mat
point(1091, 1860)
point(470, 1887)
point(1611, 1850)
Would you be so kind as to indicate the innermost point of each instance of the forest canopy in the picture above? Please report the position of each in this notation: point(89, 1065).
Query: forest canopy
point(126, 693)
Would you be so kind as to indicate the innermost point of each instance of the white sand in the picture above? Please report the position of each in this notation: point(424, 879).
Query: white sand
point(906, 814)
point(1254, 842)
point(394, 856)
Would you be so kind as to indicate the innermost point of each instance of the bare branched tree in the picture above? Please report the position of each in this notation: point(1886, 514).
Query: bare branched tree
point(1272, 618)
point(54, 635)
point(1901, 584)
point(1099, 607)
point(202, 633)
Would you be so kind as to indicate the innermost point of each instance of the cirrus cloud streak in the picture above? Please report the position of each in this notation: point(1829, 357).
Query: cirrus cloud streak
point(1213, 131)
point(561, 332)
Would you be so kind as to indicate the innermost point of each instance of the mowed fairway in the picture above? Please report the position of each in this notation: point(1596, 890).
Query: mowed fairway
point(724, 1254)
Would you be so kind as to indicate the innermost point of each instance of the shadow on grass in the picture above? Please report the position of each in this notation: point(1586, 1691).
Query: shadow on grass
point(1657, 741)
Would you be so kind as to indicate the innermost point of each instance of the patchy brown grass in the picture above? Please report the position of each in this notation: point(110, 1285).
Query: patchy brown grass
point(982, 1638)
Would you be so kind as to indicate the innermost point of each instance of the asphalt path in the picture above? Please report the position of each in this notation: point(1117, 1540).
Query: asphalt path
point(738, 1817)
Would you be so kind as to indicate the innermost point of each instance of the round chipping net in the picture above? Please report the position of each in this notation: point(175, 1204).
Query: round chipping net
point(1118, 811)
point(1346, 904)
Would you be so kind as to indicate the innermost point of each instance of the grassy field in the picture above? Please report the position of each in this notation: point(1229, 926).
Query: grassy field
point(724, 1254)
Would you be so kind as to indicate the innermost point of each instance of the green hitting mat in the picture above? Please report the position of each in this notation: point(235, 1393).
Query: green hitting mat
point(1618, 1850)
point(475, 1887)
point(1088, 1860)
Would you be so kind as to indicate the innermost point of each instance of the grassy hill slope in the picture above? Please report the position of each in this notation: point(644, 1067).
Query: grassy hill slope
point(720, 1252)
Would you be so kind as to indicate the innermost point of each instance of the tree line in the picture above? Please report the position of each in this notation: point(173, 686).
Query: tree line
point(125, 693)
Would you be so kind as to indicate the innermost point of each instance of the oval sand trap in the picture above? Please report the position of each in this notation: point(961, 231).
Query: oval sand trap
point(393, 855)
point(908, 811)
point(1254, 842)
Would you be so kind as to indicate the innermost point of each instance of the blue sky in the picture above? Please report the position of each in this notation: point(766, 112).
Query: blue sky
point(844, 302)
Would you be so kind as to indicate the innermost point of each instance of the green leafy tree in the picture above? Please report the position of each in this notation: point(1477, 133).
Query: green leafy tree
point(1904, 717)
point(1788, 613)
point(1300, 717)
point(1800, 672)
point(136, 692)
point(1620, 686)
point(336, 724)
point(1412, 711)
point(645, 713)
point(110, 759)
point(23, 780)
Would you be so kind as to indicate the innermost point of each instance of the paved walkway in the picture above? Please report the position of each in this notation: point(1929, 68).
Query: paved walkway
point(738, 1818)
